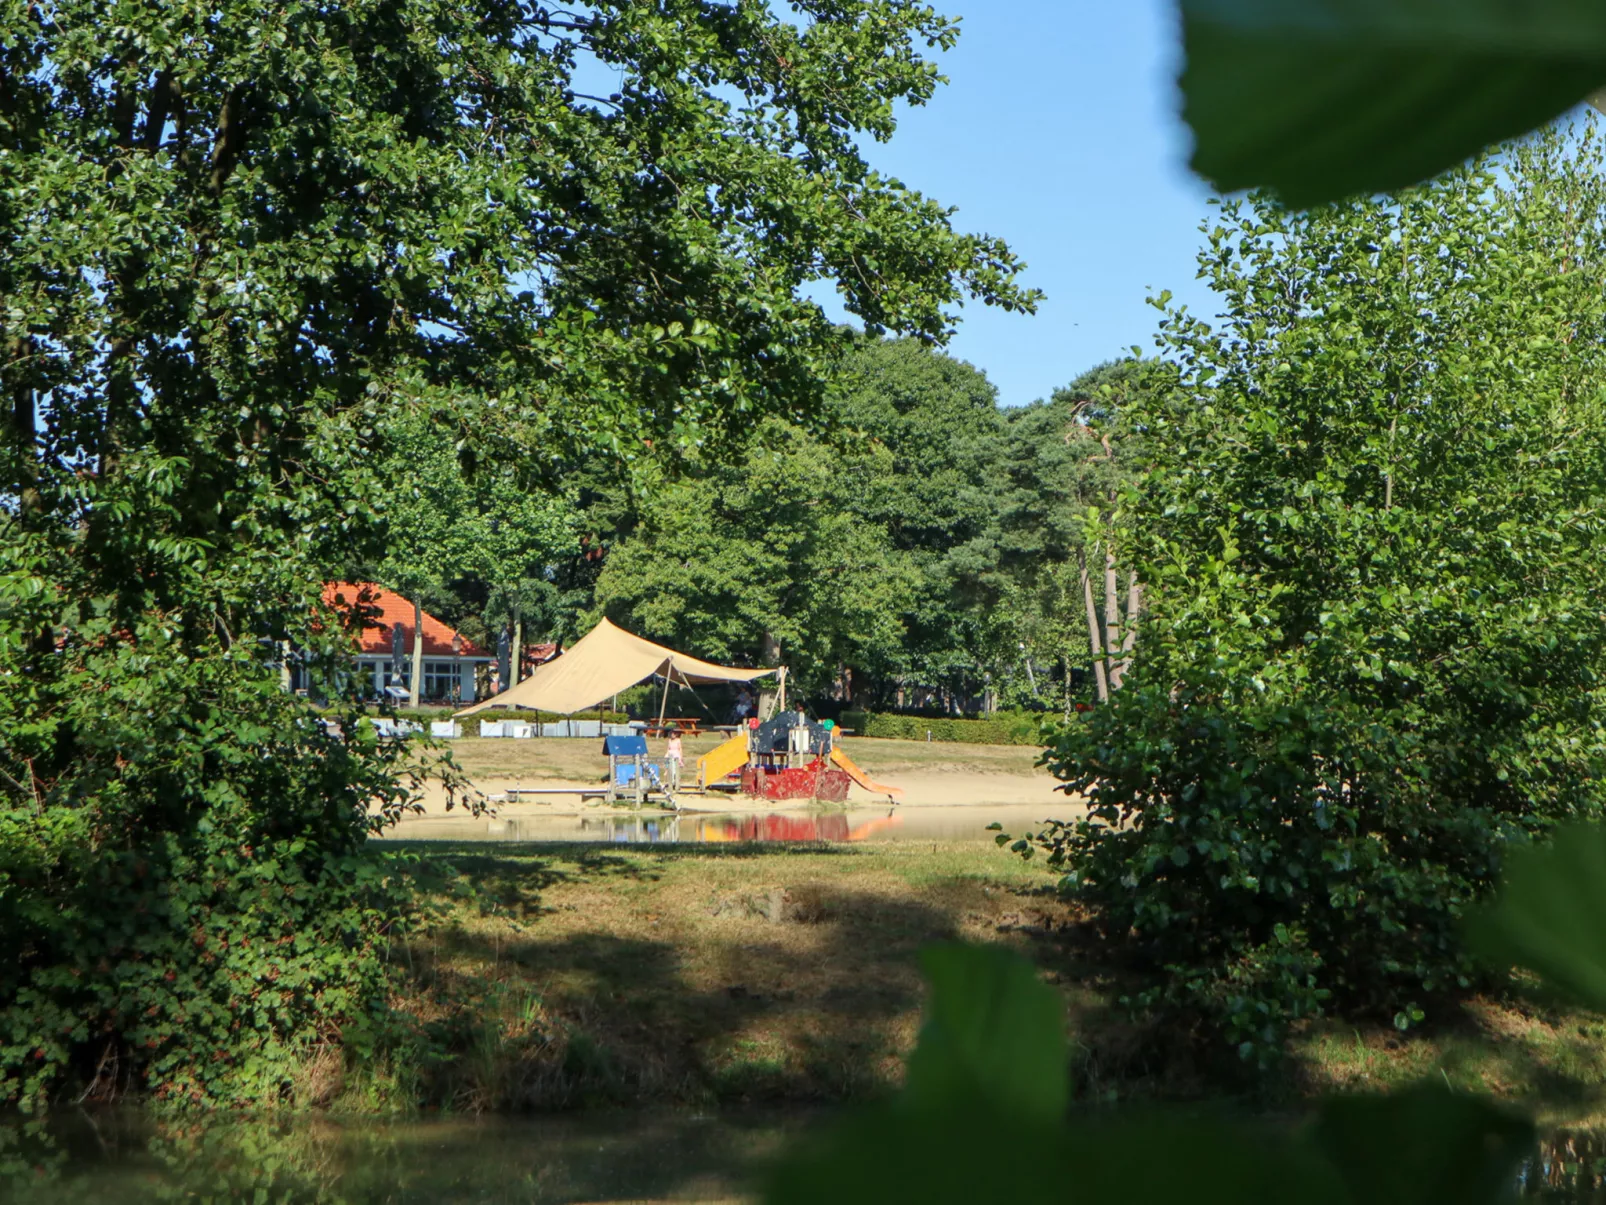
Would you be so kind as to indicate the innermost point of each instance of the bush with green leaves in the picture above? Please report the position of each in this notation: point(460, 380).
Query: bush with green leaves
point(1374, 536)
point(188, 906)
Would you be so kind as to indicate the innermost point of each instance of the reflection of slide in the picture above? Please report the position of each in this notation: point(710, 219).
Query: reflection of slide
point(863, 779)
point(719, 761)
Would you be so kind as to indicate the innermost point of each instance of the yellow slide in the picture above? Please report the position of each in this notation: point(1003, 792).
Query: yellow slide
point(860, 777)
point(719, 761)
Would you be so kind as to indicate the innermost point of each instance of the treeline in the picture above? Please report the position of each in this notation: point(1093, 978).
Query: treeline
point(919, 547)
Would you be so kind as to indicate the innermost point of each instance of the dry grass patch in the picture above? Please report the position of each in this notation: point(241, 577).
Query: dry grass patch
point(572, 975)
point(1551, 1059)
point(568, 976)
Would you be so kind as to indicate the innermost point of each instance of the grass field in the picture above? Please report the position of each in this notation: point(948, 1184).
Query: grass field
point(559, 977)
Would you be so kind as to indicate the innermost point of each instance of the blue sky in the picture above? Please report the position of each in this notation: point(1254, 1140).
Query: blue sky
point(1059, 132)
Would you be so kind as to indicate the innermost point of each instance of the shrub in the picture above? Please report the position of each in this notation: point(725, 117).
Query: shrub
point(209, 913)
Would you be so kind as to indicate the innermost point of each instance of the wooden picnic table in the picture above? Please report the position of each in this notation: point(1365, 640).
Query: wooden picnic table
point(687, 724)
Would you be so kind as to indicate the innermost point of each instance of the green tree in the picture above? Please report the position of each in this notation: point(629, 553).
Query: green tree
point(938, 418)
point(1063, 465)
point(767, 559)
point(1373, 527)
point(465, 536)
point(238, 238)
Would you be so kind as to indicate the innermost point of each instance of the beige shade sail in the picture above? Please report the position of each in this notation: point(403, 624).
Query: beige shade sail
point(603, 662)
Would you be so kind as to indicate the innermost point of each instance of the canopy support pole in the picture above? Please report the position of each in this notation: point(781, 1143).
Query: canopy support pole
point(663, 707)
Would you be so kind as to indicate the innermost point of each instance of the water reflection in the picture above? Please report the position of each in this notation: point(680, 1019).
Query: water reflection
point(122, 1158)
point(779, 826)
point(956, 822)
point(125, 1157)
point(1570, 1167)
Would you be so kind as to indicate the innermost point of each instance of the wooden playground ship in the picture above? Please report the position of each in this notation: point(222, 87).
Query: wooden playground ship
point(787, 757)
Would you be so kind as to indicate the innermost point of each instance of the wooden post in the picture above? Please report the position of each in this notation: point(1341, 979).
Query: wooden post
point(417, 683)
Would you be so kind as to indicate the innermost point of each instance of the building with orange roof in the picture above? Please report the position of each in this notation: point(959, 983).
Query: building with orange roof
point(385, 647)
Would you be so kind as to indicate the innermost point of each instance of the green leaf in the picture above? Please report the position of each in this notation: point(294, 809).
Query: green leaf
point(1321, 99)
point(966, 1156)
point(1423, 1146)
point(994, 1033)
point(1548, 916)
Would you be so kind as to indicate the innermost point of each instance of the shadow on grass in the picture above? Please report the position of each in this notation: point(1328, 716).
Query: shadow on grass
point(799, 995)
point(1509, 1043)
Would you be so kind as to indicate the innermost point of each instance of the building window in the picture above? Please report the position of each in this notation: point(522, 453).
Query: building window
point(441, 680)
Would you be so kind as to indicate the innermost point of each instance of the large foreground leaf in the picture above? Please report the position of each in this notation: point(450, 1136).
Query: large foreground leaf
point(1551, 914)
point(1321, 99)
point(994, 1037)
point(1424, 1145)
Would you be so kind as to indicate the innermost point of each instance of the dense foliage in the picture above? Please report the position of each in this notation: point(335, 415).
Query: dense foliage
point(916, 549)
point(240, 241)
point(1375, 524)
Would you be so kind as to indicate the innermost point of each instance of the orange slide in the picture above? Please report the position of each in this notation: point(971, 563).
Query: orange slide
point(846, 763)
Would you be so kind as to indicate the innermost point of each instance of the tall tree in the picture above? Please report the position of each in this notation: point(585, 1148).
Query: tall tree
point(237, 237)
point(939, 420)
point(465, 534)
point(1064, 464)
point(766, 561)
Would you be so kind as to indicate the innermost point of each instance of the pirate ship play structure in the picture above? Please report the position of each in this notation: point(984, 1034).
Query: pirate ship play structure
point(786, 757)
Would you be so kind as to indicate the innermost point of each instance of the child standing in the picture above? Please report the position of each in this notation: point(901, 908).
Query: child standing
point(673, 757)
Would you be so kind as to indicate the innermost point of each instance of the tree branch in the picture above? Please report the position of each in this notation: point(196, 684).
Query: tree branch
point(230, 138)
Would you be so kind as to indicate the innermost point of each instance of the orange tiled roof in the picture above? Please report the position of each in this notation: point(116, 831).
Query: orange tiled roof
point(385, 609)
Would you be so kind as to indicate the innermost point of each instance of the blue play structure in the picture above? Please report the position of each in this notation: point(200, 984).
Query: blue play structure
point(630, 774)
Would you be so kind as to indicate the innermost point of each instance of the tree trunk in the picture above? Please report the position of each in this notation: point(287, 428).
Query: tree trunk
point(1134, 603)
point(417, 684)
point(1100, 681)
point(518, 645)
point(1112, 607)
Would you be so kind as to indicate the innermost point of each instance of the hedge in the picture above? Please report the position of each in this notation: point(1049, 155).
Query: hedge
point(1003, 728)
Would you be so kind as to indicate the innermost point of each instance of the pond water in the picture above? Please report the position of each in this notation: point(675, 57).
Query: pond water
point(927, 823)
point(126, 1158)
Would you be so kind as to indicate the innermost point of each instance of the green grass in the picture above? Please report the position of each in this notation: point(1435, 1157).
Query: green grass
point(571, 976)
